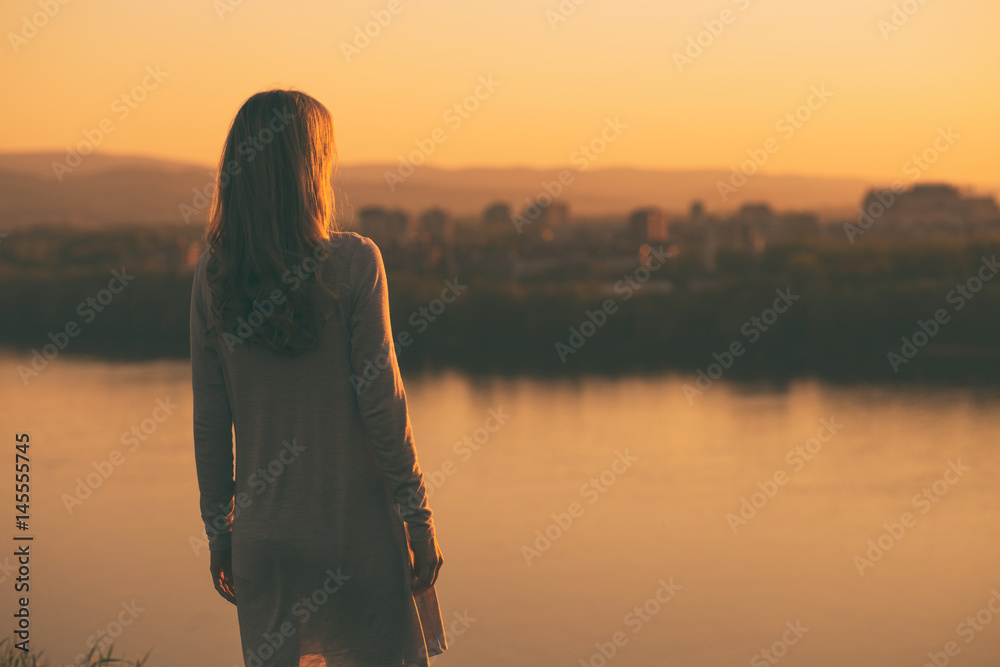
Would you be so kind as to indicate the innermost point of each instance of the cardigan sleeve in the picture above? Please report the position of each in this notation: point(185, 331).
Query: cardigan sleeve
point(379, 387)
point(213, 425)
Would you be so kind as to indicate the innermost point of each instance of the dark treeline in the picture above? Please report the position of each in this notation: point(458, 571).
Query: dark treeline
point(846, 308)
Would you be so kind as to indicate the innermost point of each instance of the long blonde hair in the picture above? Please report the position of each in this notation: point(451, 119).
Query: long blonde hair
point(272, 210)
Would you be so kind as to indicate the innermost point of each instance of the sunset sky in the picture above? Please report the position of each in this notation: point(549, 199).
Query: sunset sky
point(558, 82)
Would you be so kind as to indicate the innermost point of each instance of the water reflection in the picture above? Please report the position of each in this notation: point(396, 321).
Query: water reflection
point(637, 566)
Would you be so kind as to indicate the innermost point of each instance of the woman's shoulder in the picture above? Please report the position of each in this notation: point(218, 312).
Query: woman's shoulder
point(356, 250)
point(348, 241)
point(357, 258)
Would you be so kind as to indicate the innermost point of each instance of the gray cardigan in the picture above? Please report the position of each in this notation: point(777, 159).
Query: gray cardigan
point(326, 479)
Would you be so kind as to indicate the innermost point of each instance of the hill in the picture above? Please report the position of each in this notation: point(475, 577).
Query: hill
point(110, 189)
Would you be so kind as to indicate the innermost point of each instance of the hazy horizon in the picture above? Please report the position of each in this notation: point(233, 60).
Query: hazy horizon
point(98, 189)
point(983, 187)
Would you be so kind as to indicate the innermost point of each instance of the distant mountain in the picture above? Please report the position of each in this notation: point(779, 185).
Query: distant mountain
point(102, 190)
point(109, 189)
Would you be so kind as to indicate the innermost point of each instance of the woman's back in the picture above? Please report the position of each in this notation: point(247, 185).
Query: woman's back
point(325, 468)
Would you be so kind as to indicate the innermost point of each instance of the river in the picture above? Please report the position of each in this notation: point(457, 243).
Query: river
point(590, 521)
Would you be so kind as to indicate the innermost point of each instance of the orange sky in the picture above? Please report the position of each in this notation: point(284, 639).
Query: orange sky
point(558, 81)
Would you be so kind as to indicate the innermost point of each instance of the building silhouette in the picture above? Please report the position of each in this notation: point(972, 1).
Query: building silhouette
point(435, 227)
point(387, 228)
point(497, 213)
point(648, 225)
point(932, 209)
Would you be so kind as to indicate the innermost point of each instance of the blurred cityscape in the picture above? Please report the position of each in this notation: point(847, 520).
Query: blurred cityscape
point(535, 274)
point(542, 240)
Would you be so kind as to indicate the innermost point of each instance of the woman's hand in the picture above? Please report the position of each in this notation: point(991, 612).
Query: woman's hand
point(426, 563)
point(222, 573)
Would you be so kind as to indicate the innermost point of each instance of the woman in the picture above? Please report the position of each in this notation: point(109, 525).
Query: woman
point(323, 538)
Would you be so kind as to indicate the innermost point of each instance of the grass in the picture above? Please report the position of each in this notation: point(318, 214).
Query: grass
point(13, 657)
